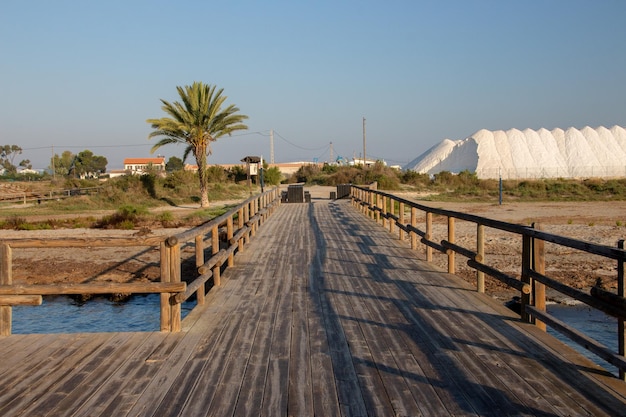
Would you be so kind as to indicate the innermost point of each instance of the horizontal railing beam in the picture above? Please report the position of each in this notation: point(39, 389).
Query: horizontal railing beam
point(94, 288)
point(580, 338)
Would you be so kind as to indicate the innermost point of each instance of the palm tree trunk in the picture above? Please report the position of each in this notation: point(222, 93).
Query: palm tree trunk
point(202, 176)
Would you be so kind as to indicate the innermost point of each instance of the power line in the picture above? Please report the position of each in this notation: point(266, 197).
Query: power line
point(262, 133)
point(298, 146)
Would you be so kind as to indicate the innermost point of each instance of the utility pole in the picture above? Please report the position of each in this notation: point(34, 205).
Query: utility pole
point(271, 146)
point(52, 164)
point(364, 158)
point(331, 152)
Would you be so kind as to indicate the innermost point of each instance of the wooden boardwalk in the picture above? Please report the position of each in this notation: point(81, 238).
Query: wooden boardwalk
point(325, 314)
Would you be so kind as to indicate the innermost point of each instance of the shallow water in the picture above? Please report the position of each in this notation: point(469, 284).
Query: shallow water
point(60, 314)
point(593, 323)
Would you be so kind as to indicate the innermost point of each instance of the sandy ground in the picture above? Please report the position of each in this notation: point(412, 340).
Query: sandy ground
point(597, 222)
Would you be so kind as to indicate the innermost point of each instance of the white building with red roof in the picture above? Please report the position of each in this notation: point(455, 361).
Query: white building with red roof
point(139, 166)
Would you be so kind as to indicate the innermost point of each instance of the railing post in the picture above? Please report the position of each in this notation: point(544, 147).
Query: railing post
point(621, 290)
point(240, 224)
point(361, 201)
point(539, 266)
point(451, 253)
point(377, 206)
point(480, 251)
point(6, 278)
point(414, 224)
point(166, 308)
point(392, 208)
point(525, 276)
point(199, 262)
point(252, 214)
point(384, 207)
point(429, 235)
point(401, 220)
point(175, 276)
point(229, 236)
point(215, 247)
point(246, 218)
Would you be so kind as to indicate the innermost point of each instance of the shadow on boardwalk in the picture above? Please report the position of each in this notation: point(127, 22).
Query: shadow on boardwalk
point(432, 349)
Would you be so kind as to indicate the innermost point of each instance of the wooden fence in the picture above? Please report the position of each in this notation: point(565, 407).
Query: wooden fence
point(236, 227)
point(397, 213)
point(17, 195)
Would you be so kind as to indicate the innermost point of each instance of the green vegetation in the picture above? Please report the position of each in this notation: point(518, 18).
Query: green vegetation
point(124, 202)
point(465, 186)
point(143, 201)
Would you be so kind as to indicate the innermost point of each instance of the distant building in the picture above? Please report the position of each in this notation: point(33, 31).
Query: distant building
point(139, 166)
point(367, 162)
point(286, 168)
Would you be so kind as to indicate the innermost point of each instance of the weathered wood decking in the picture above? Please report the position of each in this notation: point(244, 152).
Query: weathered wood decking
point(326, 314)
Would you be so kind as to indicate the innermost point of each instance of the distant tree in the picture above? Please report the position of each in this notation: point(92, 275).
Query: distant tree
point(174, 164)
point(86, 163)
point(25, 163)
point(7, 156)
point(196, 122)
point(61, 164)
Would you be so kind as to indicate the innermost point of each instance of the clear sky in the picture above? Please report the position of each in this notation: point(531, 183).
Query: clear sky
point(78, 75)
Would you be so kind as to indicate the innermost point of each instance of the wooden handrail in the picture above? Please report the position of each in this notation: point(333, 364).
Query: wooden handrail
point(94, 288)
point(250, 214)
point(533, 278)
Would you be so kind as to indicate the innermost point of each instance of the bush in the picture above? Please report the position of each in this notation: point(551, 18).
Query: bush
point(180, 180)
point(125, 218)
point(413, 178)
point(307, 173)
point(216, 173)
point(237, 173)
point(272, 176)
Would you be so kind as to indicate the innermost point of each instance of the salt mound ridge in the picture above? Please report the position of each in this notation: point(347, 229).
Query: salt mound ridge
point(516, 154)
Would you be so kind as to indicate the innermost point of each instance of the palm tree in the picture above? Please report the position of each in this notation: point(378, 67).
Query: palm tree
point(196, 122)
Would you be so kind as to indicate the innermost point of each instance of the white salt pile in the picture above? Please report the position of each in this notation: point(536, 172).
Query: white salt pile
point(542, 153)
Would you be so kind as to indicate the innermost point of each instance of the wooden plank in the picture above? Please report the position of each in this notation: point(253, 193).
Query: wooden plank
point(45, 372)
point(350, 397)
point(250, 398)
point(87, 242)
point(300, 393)
point(93, 288)
point(427, 398)
point(173, 384)
point(6, 278)
point(114, 389)
point(20, 300)
point(92, 367)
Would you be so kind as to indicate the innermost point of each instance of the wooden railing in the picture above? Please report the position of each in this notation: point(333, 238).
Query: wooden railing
point(19, 196)
point(237, 226)
point(397, 213)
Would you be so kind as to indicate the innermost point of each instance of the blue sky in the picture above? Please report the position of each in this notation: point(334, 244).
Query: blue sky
point(78, 75)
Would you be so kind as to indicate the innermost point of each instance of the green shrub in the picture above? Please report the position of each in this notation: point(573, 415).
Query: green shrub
point(125, 218)
point(272, 176)
point(216, 174)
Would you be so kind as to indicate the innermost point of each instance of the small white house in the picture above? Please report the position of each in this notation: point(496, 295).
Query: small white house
point(139, 166)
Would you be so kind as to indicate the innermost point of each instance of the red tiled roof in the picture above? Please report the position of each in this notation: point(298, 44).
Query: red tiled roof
point(144, 161)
